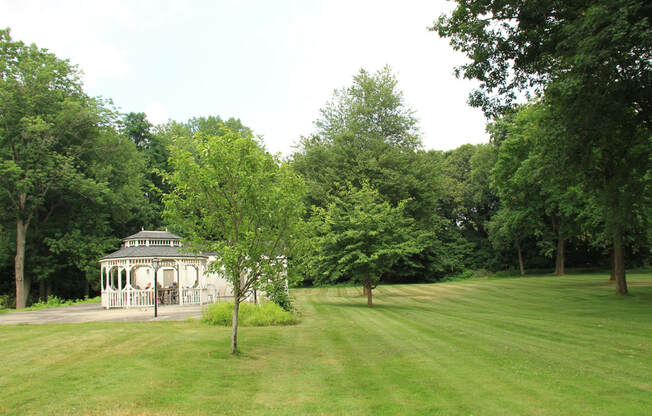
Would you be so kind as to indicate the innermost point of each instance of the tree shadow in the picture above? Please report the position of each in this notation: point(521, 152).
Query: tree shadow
point(363, 305)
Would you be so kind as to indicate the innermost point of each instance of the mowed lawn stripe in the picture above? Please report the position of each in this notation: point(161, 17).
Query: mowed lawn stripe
point(375, 351)
point(447, 347)
point(556, 357)
point(516, 322)
point(428, 343)
point(500, 360)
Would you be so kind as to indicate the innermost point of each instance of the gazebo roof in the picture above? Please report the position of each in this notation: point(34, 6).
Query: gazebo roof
point(150, 251)
point(153, 234)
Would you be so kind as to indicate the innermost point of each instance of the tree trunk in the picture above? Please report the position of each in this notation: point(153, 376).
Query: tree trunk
point(87, 288)
point(234, 326)
point(619, 263)
point(48, 289)
point(22, 284)
point(613, 267)
point(561, 253)
point(367, 288)
point(520, 258)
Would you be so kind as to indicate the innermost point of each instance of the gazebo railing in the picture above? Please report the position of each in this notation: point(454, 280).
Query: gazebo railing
point(127, 298)
point(191, 295)
point(138, 298)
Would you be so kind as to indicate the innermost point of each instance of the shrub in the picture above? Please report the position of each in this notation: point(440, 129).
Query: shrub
point(481, 274)
point(277, 292)
point(53, 301)
point(267, 314)
point(463, 275)
point(7, 302)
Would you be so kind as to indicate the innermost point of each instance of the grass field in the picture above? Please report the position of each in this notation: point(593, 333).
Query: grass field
point(529, 346)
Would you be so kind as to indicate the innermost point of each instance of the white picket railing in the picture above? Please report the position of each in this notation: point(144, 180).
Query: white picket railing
point(137, 298)
point(191, 296)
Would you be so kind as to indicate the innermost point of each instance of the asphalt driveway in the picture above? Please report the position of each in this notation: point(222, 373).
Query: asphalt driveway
point(93, 312)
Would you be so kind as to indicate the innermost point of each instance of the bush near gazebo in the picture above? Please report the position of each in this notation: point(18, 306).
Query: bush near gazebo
point(266, 314)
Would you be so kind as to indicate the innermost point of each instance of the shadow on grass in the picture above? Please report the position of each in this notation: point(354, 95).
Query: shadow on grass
point(376, 306)
point(240, 355)
point(631, 283)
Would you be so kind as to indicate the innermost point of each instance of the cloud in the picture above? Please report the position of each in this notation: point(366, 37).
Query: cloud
point(273, 65)
point(72, 30)
point(101, 62)
point(156, 113)
point(331, 43)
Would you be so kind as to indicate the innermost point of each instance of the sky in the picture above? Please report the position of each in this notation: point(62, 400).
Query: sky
point(273, 65)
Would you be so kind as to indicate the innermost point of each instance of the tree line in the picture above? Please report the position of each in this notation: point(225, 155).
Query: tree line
point(563, 182)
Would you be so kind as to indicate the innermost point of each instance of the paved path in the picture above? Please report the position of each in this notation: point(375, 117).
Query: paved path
point(93, 312)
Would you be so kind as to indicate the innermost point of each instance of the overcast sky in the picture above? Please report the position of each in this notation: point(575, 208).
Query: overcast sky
point(272, 64)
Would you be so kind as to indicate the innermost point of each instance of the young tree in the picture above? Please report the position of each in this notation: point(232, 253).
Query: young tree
point(358, 237)
point(231, 197)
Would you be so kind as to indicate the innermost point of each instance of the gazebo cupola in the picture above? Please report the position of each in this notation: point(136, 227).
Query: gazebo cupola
point(152, 238)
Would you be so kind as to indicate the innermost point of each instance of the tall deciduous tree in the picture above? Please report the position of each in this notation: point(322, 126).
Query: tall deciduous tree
point(529, 175)
point(469, 201)
point(510, 226)
point(591, 60)
point(367, 134)
point(153, 146)
point(86, 226)
point(47, 126)
point(372, 108)
point(231, 197)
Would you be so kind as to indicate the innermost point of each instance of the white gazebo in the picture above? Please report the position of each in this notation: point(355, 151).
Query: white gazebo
point(127, 275)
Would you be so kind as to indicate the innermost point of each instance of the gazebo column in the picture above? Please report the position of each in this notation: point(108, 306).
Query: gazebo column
point(102, 296)
point(120, 294)
point(128, 286)
point(201, 283)
point(177, 271)
point(180, 288)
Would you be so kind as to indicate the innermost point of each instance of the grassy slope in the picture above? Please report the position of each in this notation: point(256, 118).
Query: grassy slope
point(544, 345)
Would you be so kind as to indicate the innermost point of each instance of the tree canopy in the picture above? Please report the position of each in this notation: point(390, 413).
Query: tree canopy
point(52, 143)
point(590, 62)
point(231, 197)
point(358, 237)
